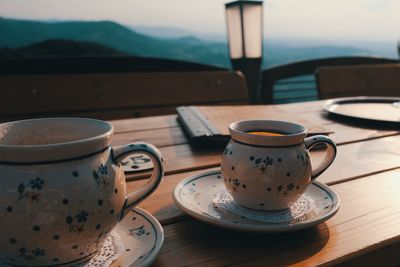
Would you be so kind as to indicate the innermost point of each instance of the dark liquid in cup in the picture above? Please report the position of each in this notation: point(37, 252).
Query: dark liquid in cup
point(266, 133)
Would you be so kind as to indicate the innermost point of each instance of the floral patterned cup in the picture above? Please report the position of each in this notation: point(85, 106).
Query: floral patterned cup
point(270, 172)
point(62, 189)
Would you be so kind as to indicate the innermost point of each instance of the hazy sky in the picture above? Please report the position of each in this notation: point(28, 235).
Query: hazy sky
point(374, 20)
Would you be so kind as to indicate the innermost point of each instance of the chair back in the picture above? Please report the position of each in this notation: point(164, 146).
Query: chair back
point(287, 83)
point(365, 80)
point(116, 95)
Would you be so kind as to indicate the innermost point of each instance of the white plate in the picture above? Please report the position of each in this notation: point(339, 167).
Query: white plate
point(204, 197)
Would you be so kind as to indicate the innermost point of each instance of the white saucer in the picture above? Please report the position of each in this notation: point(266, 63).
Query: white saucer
point(204, 197)
point(142, 237)
point(134, 242)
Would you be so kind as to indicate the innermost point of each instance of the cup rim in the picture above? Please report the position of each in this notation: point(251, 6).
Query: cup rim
point(239, 132)
point(60, 150)
point(102, 135)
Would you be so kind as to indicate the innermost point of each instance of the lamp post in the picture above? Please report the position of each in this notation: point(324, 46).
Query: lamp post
point(244, 24)
point(398, 48)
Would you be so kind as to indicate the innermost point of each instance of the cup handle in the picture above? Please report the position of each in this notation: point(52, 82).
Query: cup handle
point(329, 155)
point(119, 153)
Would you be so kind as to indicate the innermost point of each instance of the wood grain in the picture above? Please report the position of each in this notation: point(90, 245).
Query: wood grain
point(165, 130)
point(161, 137)
point(368, 221)
point(142, 124)
point(365, 232)
point(221, 116)
point(353, 161)
point(174, 135)
point(165, 121)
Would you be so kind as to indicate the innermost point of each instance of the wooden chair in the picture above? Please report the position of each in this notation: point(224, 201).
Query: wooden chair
point(367, 80)
point(116, 95)
point(304, 89)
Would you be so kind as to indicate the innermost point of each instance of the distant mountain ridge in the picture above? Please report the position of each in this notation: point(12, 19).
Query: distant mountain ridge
point(168, 32)
point(16, 33)
point(58, 48)
point(161, 31)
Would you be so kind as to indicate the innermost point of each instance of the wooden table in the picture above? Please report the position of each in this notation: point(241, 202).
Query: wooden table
point(365, 174)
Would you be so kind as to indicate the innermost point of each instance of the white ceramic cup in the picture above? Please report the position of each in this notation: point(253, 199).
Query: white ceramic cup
point(271, 172)
point(62, 189)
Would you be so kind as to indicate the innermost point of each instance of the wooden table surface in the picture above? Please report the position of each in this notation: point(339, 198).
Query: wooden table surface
point(365, 175)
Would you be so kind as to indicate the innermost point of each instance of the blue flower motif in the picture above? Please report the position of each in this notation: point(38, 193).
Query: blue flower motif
point(38, 252)
point(101, 176)
point(138, 231)
point(77, 223)
point(268, 161)
point(31, 254)
point(262, 164)
point(236, 182)
point(82, 216)
point(103, 169)
point(36, 183)
point(290, 187)
point(31, 189)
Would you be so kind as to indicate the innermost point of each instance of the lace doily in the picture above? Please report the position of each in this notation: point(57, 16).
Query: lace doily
point(297, 212)
point(112, 248)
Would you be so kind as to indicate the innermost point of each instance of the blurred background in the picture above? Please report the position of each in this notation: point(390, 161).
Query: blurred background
point(196, 30)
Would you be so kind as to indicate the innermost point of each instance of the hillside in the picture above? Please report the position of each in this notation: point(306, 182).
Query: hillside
point(58, 48)
point(16, 33)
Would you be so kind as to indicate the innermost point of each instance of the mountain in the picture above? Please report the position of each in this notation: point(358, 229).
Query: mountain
point(58, 48)
point(162, 31)
point(19, 32)
point(275, 54)
point(176, 32)
point(16, 33)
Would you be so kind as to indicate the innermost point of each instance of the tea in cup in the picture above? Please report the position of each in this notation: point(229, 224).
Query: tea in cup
point(62, 189)
point(267, 166)
point(264, 133)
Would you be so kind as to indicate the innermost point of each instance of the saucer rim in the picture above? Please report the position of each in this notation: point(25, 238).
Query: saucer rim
point(159, 231)
point(261, 228)
point(155, 251)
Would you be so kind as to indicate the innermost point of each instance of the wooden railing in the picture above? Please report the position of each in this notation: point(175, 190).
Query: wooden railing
point(99, 64)
point(295, 82)
point(298, 89)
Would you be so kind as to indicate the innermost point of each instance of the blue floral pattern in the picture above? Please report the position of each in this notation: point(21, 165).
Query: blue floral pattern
point(262, 164)
point(76, 223)
point(101, 176)
point(138, 232)
point(31, 189)
point(304, 158)
point(31, 254)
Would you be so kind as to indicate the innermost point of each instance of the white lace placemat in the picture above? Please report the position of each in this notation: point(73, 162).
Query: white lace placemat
point(297, 212)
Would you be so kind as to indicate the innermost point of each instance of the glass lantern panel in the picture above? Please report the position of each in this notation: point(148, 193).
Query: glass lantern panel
point(235, 39)
point(252, 27)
